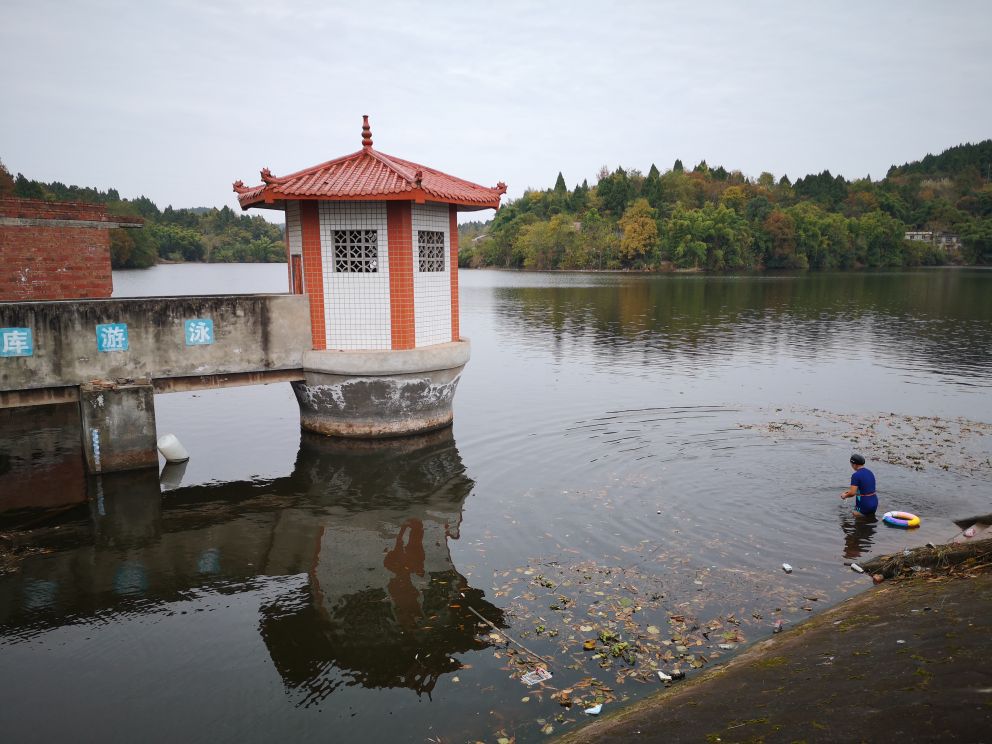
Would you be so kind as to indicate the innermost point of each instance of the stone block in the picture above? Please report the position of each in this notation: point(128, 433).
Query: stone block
point(118, 422)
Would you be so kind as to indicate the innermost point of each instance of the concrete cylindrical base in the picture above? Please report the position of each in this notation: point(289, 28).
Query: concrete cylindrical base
point(376, 394)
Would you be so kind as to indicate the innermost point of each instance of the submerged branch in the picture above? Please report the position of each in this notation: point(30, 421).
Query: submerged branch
point(510, 638)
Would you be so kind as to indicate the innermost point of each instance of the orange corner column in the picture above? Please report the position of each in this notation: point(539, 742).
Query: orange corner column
point(313, 271)
point(399, 232)
point(453, 262)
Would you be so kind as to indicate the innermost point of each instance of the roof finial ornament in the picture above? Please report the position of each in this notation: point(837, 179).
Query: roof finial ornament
point(366, 132)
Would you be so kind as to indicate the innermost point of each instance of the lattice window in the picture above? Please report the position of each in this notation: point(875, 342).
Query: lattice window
point(431, 246)
point(356, 251)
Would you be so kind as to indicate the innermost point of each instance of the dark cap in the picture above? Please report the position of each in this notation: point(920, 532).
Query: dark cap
point(857, 459)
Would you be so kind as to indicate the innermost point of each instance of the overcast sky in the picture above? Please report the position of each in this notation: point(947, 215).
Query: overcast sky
point(175, 100)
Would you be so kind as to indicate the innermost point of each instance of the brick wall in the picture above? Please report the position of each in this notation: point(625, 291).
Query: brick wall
point(55, 250)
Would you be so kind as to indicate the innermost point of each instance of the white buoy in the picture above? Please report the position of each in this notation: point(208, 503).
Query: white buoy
point(172, 449)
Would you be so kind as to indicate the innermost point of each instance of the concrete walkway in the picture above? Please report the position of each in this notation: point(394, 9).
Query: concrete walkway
point(910, 660)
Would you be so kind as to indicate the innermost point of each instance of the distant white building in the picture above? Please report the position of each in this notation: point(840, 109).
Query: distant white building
point(948, 242)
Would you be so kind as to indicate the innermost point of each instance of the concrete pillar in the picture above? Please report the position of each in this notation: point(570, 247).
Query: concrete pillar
point(377, 394)
point(118, 423)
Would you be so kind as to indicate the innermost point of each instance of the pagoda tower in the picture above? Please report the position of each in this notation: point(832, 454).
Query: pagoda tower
point(372, 240)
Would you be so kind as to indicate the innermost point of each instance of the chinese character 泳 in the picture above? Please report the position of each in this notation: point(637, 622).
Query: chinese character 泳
point(199, 332)
point(111, 337)
point(16, 342)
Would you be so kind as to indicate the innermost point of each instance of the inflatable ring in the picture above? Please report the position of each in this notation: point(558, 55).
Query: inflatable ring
point(901, 519)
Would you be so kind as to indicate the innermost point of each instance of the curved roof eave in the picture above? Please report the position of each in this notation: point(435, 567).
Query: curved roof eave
point(369, 175)
point(267, 199)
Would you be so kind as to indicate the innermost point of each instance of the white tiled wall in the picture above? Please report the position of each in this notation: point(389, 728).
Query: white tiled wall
point(294, 238)
point(432, 290)
point(356, 305)
point(293, 231)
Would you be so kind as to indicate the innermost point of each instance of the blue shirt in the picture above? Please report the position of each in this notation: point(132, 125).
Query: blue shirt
point(864, 479)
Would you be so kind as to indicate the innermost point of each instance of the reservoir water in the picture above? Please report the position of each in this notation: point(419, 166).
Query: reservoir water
point(633, 459)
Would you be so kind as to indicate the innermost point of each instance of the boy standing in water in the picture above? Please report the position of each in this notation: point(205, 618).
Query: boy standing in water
point(862, 488)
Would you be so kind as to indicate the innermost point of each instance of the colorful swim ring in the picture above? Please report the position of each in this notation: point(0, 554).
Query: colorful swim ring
point(901, 519)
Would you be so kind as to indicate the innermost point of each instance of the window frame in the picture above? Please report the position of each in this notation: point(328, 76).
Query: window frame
point(343, 238)
point(437, 241)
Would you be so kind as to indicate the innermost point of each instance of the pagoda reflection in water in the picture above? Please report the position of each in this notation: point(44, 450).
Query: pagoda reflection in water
point(384, 605)
point(350, 556)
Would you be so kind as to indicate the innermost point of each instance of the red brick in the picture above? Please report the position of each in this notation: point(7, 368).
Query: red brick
point(56, 262)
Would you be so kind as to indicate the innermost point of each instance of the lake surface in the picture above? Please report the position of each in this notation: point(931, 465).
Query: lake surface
point(632, 460)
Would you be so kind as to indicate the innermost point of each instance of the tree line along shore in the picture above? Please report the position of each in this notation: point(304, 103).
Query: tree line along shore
point(170, 235)
point(712, 219)
point(703, 219)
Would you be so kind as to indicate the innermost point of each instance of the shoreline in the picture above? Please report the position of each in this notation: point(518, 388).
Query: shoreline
point(743, 272)
point(839, 675)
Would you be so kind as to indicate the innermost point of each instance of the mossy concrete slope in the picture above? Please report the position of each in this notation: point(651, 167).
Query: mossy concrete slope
point(906, 661)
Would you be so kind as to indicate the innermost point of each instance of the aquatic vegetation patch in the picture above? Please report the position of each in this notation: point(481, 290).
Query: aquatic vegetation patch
point(918, 442)
point(603, 627)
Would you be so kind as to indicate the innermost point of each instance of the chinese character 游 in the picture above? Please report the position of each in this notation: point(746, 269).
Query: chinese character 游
point(111, 337)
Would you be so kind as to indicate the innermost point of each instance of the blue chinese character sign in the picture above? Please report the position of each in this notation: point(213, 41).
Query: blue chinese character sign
point(16, 342)
point(199, 332)
point(111, 337)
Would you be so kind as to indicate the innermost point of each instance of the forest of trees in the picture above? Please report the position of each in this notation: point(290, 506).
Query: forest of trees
point(202, 234)
point(718, 220)
point(699, 219)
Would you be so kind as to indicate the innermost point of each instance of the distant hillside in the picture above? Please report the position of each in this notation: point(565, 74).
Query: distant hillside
point(714, 219)
point(951, 162)
point(707, 218)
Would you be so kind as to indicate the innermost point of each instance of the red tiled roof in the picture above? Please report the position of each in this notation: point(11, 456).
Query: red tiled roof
point(369, 174)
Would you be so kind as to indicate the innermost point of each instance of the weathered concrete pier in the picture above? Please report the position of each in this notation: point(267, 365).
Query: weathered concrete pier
point(112, 356)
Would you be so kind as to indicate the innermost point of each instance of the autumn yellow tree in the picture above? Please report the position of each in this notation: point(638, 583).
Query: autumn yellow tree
point(639, 233)
point(734, 197)
point(543, 244)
